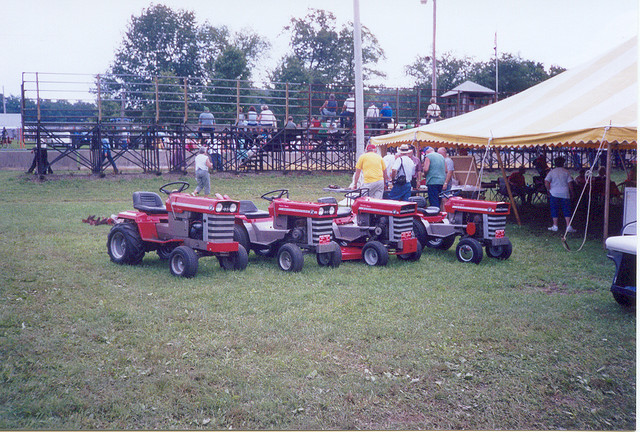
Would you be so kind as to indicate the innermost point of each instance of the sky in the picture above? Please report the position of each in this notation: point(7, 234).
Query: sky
point(81, 36)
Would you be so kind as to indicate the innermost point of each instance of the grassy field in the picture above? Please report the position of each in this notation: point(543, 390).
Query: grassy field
point(533, 342)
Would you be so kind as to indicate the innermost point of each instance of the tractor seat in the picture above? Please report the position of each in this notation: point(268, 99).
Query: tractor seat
point(148, 202)
point(342, 211)
point(249, 209)
point(430, 211)
point(420, 201)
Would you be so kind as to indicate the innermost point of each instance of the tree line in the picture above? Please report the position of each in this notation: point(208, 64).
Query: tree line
point(165, 42)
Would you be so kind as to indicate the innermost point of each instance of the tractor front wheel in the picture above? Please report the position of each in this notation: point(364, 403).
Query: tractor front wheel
point(501, 252)
point(183, 262)
point(375, 253)
point(235, 260)
point(330, 259)
point(469, 250)
point(125, 245)
point(290, 257)
point(413, 256)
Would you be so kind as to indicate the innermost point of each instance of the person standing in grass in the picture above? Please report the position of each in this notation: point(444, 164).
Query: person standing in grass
point(559, 186)
point(372, 167)
point(202, 165)
point(434, 169)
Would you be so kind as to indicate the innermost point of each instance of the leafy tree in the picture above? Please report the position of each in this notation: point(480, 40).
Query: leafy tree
point(515, 73)
point(326, 51)
point(160, 41)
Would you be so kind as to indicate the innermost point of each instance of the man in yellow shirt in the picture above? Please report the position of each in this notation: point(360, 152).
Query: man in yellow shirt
point(374, 172)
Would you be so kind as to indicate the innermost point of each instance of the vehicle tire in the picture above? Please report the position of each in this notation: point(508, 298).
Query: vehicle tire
point(236, 260)
point(469, 250)
point(165, 249)
point(330, 259)
point(442, 243)
point(125, 245)
point(501, 252)
point(375, 253)
point(183, 262)
point(419, 231)
point(413, 256)
point(624, 300)
point(241, 236)
point(269, 251)
point(290, 257)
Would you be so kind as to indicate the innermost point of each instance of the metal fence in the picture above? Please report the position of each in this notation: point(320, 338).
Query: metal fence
point(152, 122)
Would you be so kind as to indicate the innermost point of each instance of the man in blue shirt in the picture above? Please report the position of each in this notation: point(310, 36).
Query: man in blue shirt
point(205, 124)
point(386, 114)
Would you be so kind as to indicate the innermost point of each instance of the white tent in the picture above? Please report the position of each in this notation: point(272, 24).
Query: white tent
point(578, 107)
point(593, 104)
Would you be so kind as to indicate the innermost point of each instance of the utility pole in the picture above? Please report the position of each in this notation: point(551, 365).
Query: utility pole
point(495, 49)
point(434, 80)
point(359, 108)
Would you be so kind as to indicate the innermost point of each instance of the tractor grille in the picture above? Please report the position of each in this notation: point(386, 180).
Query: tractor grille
point(320, 227)
point(219, 228)
point(493, 223)
point(400, 225)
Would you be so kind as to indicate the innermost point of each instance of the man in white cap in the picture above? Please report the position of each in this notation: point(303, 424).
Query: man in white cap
point(401, 173)
point(372, 167)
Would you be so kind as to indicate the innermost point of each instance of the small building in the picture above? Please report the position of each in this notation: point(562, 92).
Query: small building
point(467, 97)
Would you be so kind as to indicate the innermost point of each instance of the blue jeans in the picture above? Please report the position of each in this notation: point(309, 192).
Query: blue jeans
point(556, 203)
point(400, 193)
point(433, 191)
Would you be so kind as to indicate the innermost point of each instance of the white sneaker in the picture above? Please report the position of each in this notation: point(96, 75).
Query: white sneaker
point(553, 228)
point(570, 229)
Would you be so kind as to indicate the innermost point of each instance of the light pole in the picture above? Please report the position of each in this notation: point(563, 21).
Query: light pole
point(434, 83)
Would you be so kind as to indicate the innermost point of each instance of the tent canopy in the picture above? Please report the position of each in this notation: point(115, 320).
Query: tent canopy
point(577, 108)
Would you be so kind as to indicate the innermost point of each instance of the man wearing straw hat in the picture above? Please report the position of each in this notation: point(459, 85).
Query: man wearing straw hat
point(401, 173)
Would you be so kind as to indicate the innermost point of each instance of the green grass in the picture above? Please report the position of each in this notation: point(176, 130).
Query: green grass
point(533, 342)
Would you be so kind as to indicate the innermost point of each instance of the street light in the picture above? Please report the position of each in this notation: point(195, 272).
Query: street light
point(433, 51)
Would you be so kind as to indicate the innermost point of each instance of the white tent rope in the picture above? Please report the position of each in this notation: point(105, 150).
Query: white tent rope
point(588, 177)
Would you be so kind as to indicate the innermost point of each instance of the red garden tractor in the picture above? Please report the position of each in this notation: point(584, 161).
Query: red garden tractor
point(288, 230)
point(180, 230)
point(479, 223)
point(375, 228)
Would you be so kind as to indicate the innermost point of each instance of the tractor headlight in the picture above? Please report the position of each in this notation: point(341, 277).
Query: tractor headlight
point(219, 207)
point(332, 210)
point(321, 211)
point(233, 207)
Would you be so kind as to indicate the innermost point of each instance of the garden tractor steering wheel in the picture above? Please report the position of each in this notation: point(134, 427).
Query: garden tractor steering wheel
point(276, 194)
point(183, 186)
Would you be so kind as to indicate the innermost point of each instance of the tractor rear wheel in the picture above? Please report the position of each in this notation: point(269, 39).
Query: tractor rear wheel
point(235, 260)
point(375, 253)
point(183, 262)
point(420, 231)
point(469, 250)
point(125, 245)
point(501, 252)
point(330, 259)
point(290, 257)
point(165, 249)
point(442, 243)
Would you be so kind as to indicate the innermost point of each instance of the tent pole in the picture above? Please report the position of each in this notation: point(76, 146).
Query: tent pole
point(607, 191)
point(506, 182)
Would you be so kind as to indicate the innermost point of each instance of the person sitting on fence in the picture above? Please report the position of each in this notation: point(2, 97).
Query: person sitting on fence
point(386, 115)
point(329, 109)
point(433, 111)
point(290, 124)
point(267, 119)
point(348, 112)
point(205, 124)
point(252, 117)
